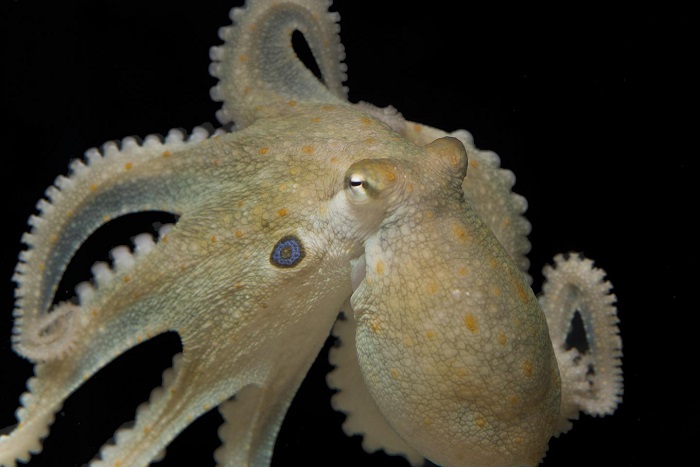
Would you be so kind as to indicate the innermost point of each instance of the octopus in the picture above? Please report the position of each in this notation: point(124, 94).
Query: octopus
point(306, 215)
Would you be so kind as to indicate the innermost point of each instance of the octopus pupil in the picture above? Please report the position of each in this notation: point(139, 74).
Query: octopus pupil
point(288, 252)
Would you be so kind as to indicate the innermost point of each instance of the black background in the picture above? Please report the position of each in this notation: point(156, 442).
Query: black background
point(585, 104)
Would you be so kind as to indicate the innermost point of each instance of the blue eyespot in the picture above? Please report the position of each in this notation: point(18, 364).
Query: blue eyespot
point(287, 253)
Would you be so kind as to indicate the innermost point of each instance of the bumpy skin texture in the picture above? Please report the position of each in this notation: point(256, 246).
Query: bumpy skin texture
point(310, 206)
point(465, 343)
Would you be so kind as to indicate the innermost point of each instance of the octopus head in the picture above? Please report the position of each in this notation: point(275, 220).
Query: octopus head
point(446, 323)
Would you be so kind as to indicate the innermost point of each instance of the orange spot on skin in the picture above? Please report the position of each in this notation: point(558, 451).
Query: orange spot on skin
point(428, 421)
point(502, 339)
point(390, 176)
point(328, 107)
point(493, 262)
point(167, 153)
point(238, 286)
point(292, 103)
point(94, 312)
point(462, 271)
point(282, 212)
point(514, 400)
point(417, 128)
point(238, 234)
point(374, 327)
point(247, 90)
point(409, 188)
point(213, 238)
point(366, 121)
point(394, 373)
point(431, 288)
point(126, 278)
point(461, 372)
point(474, 163)
point(471, 322)
point(480, 421)
point(315, 119)
point(106, 218)
point(496, 291)
point(264, 150)
point(371, 140)
point(459, 233)
point(521, 291)
point(308, 150)
point(430, 334)
point(527, 368)
point(93, 187)
point(42, 266)
point(380, 267)
point(243, 58)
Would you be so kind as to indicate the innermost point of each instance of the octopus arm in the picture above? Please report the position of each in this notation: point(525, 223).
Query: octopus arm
point(111, 318)
point(118, 180)
point(592, 380)
point(258, 68)
point(73, 341)
point(253, 419)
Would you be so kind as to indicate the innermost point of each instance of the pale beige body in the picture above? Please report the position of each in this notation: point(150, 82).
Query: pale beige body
point(310, 206)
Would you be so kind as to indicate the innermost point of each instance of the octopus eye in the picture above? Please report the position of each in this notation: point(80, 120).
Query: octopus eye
point(357, 187)
point(370, 180)
point(287, 253)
